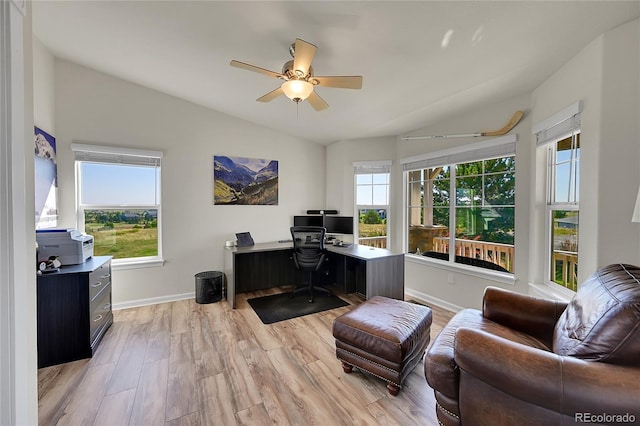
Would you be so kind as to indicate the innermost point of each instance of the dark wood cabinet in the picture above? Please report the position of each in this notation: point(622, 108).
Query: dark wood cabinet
point(74, 311)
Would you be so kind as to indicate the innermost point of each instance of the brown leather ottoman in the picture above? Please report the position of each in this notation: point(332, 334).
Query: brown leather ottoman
point(385, 337)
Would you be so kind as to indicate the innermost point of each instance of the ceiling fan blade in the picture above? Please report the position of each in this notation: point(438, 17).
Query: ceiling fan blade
point(303, 56)
point(340, 81)
point(271, 95)
point(317, 102)
point(253, 68)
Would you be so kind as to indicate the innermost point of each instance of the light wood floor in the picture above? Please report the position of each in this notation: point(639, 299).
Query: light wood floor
point(182, 363)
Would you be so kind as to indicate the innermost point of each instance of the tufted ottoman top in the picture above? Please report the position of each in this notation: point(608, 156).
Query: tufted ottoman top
point(388, 328)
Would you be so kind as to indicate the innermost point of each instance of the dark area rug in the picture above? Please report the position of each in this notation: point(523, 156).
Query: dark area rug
point(280, 307)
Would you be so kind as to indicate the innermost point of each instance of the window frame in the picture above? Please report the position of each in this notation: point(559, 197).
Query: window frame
point(566, 123)
point(503, 146)
point(371, 168)
point(552, 205)
point(96, 154)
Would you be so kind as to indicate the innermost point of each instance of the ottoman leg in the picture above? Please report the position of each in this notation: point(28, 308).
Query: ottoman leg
point(348, 368)
point(393, 389)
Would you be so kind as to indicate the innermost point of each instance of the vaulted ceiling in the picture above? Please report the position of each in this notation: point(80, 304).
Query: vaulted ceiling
point(422, 61)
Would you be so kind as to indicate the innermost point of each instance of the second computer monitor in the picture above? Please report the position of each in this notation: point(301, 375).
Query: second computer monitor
point(339, 224)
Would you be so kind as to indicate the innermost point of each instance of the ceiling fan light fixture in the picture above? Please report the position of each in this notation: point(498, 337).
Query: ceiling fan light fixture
point(297, 90)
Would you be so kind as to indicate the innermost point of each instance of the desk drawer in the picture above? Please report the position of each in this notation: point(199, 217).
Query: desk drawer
point(99, 279)
point(100, 312)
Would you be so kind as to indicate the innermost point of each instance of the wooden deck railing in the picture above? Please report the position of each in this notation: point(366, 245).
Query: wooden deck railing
point(498, 253)
point(377, 242)
point(564, 269)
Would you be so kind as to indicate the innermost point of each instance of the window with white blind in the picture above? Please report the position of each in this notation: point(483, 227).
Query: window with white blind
point(118, 201)
point(559, 138)
point(461, 204)
point(372, 183)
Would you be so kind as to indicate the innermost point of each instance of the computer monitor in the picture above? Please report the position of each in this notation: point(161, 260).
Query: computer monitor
point(339, 224)
point(307, 221)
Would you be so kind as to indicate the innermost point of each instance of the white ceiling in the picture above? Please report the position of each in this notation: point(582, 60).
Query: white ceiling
point(422, 61)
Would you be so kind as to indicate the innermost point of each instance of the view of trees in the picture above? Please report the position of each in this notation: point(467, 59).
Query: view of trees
point(485, 198)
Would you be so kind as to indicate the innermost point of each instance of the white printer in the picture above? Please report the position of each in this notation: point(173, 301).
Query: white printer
point(69, 245)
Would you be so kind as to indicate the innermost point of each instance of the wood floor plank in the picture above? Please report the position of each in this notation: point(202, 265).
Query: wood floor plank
point(55, 381)
point(180, 317)
point(129, 366)
point(86, 399)
point(310, 400)
point(208, 361)
point(191, 419)
point(236, 369)
point(115, 339)
point(181, 386)
point(334, 389)
point(256, 415)
point(144, 314)
point(188, 364)
point(159, 343)
point(150, 401)
point(278, 400)
point(213, 394)
point(115, 409)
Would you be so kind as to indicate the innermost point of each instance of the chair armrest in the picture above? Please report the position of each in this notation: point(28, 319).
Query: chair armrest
point(531, 315)
point(563, 384)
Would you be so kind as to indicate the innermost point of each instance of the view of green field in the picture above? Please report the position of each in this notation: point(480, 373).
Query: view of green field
point(372, 230)
point(122, 234)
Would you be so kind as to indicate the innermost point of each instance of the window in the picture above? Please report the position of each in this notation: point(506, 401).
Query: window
point(463, 199)
point(372, 202)
point(118, 202)
point(561, 143)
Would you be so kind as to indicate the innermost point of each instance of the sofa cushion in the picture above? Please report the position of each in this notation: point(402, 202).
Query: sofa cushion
point(602, 321)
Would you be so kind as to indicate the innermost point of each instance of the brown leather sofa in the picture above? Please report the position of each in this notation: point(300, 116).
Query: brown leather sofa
point(530, 361)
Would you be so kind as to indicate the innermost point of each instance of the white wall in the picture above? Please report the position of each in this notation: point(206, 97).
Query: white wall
point(619, 174)
point(96, 108)
point(340, 181)
point(44, 88)
point(604, 75)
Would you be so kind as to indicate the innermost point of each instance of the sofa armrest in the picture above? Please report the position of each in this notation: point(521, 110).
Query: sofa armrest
point(563, 384)
point(531, 315)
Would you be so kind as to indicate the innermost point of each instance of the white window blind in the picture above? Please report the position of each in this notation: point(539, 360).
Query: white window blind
point(116, 155)
point(561, 125)
point(493, 148)
point(368, 167)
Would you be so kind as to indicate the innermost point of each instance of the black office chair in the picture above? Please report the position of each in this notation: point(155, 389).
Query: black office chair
point(308, 254)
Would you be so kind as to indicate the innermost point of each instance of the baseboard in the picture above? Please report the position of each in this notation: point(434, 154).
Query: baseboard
point(430, 300)
point(153, 301)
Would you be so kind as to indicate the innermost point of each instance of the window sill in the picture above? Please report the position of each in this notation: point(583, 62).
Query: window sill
point(120, 265)
point(486, 274)
point(551, 292)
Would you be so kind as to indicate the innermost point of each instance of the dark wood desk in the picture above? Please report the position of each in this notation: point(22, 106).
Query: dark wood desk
point(361, 269)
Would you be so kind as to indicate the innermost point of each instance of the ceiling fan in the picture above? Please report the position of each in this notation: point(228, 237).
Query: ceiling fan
point(298, 77)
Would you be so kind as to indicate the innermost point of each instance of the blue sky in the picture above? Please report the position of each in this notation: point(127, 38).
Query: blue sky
point(118, 185)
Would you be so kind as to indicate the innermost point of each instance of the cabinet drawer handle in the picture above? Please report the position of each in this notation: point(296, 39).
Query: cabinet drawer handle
point(106, 306)
point(105, 276)
point(96, 285)
point(97, 318)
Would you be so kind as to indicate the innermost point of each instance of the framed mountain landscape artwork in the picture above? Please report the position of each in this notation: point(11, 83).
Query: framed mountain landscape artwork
point(244, 181)
point(46, 180)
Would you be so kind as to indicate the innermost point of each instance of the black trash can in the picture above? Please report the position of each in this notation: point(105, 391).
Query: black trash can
point(209, 286)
